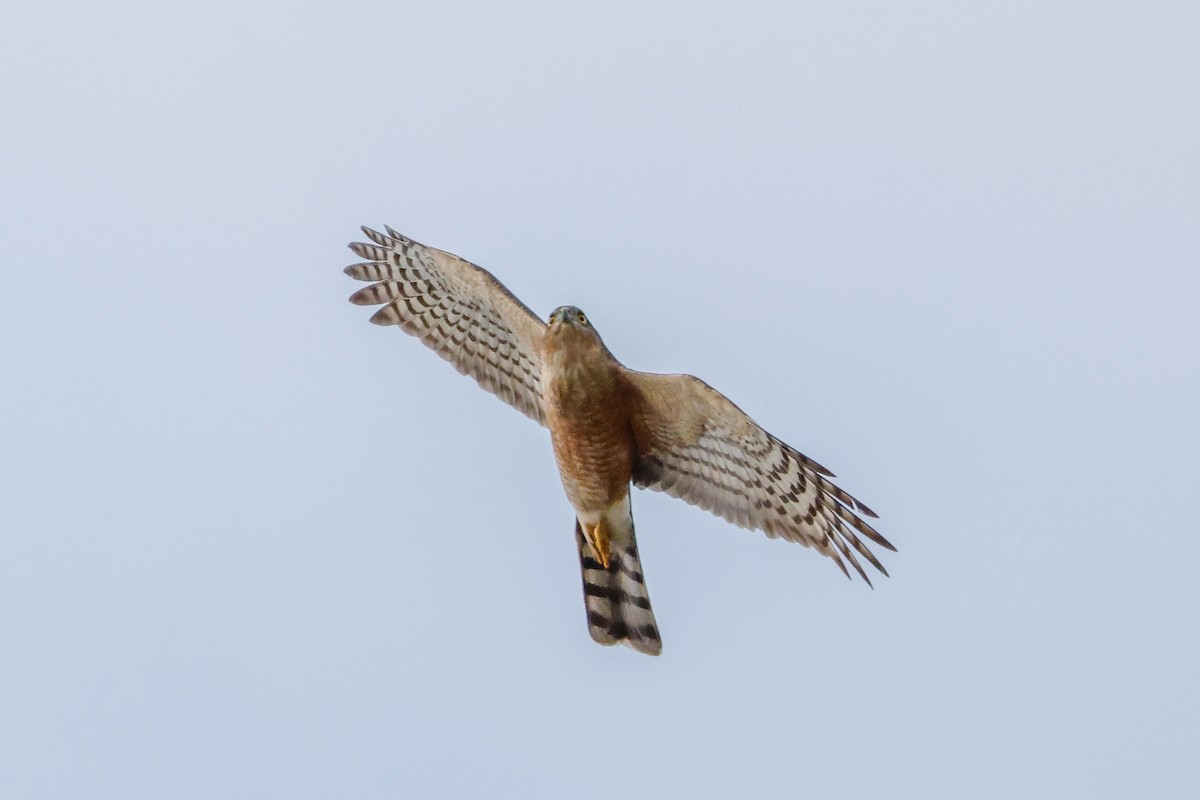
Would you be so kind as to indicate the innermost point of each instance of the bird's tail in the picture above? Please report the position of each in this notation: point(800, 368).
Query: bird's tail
point(617, 603)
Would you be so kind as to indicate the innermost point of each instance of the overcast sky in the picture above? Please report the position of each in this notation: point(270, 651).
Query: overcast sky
point(253, 546)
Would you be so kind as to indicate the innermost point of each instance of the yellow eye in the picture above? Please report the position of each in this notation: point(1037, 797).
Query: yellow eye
point(582, 319)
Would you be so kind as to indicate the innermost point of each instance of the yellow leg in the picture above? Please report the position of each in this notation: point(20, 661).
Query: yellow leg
point(597, 539)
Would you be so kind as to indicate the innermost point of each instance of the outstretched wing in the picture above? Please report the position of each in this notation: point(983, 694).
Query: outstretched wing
point(695, 444)
point(459, 310)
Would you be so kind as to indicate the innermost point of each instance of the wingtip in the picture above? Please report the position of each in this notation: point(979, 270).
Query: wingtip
point(837, 559)
point(375, 236)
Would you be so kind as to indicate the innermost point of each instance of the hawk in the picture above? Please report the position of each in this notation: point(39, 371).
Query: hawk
point(611, 427)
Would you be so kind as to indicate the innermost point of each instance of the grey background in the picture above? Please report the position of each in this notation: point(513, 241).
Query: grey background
point(253, 546)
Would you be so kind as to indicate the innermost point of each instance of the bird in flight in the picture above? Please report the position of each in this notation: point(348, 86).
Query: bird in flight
point(610, 427)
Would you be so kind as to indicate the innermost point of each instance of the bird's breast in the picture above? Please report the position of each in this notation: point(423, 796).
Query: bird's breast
point(588, 418)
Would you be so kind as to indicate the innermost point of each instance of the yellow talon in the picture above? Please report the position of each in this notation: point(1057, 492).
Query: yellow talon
point(598, 540)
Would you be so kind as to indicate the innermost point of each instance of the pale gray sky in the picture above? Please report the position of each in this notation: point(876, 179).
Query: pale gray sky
point(256, 547)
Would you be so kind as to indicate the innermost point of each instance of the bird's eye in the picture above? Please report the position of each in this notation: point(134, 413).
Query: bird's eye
point(582, 319)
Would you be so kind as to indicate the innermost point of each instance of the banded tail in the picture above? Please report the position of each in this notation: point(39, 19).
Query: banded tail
point(616, 600)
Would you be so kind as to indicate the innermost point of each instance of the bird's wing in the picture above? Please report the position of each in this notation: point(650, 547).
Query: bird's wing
point(695, 444)
point(459, 310)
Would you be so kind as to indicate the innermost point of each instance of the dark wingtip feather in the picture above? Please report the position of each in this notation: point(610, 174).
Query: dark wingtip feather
point(882, 542)
point(866, 553)
point(837, 559)
point(841, 544)
point(865, 529)
point(376, 237)
point(386, 316)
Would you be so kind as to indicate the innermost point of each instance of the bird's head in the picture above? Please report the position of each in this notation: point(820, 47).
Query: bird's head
point(568, 315)
point(569, 325)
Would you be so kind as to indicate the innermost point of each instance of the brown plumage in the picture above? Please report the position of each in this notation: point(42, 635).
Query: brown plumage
point(586, 404)
point(611, 427)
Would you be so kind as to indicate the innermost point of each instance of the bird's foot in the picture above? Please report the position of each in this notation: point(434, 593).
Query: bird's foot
point(597, 539)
